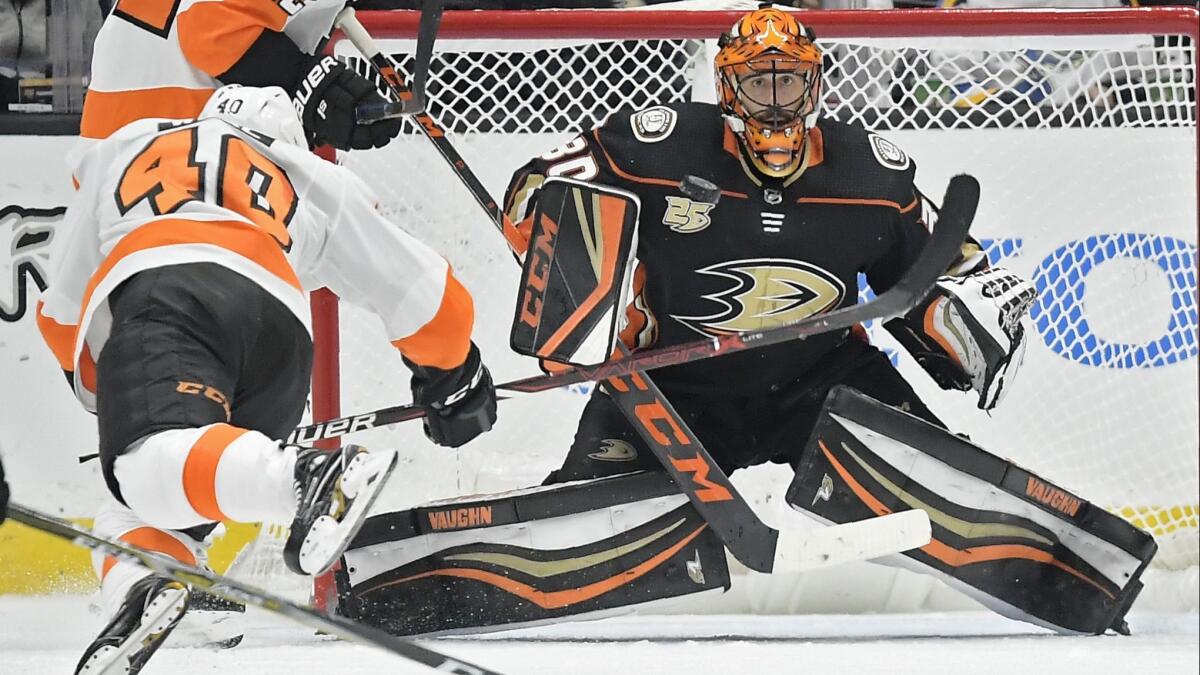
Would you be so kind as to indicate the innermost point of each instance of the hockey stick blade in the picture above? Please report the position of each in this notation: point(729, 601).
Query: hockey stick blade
point(236, 591)
point(412, 98)
point(799, 551)
point(957, 212)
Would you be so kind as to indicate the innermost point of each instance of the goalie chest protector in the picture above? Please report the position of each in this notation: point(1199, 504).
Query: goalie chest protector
point(581, 550)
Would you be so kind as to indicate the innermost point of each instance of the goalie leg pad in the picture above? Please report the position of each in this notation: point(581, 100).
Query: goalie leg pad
point(1017, 543)
point(580, 550)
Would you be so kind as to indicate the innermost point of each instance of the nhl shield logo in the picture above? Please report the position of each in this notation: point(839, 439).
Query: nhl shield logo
point(653, 124)
point(888, 154)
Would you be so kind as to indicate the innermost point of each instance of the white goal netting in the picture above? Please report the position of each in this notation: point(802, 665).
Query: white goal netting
point(1084, 142)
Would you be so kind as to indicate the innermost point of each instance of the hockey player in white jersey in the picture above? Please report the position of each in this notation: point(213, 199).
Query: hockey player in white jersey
point(182, 276)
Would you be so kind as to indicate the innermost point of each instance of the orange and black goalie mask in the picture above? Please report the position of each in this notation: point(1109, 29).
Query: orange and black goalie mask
point(768, 74)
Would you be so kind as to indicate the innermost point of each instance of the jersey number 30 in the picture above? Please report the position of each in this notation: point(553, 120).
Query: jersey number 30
point(166, 175)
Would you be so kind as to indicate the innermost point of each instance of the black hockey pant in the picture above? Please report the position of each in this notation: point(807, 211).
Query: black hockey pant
point(193, 345)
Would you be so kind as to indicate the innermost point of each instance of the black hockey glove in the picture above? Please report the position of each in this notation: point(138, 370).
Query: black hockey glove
point(459, 404)
point(326, 99)
point(3, 493)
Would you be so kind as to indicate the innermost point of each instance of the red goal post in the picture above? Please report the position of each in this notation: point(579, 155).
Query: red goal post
point(1142, 100)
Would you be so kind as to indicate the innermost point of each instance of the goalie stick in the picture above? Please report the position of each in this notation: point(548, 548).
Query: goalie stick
point(937, 255)
point(236, 591)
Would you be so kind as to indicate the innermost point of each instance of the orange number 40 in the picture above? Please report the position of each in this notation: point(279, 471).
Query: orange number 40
point(166, 175)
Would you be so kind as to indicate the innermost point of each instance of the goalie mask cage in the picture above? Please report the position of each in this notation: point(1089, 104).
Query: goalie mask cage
point(1080, 125)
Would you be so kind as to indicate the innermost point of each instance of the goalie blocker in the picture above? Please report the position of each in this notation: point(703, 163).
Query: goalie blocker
point(576, 272)
point(585, 550)
point(1020, 545)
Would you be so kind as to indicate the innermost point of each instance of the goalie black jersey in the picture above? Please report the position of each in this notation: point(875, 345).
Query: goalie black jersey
point(768, 252)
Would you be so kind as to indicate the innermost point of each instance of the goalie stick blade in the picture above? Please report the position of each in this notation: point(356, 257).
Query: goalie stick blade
point(231, 589)
point(958, 210)
point(798, 551)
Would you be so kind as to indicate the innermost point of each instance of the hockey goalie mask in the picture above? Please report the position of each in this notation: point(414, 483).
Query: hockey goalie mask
point(768, 74)
point(266, 110)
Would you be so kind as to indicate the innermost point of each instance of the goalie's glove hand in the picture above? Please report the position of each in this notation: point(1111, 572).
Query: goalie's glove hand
point(969, 334)
point(327, 98)
point(459, 403)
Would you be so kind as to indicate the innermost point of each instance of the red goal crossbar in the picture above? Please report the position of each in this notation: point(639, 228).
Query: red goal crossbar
point(879, 23)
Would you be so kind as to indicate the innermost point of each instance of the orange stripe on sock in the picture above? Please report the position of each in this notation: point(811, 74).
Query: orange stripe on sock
point(200, 469)
point(151, 539)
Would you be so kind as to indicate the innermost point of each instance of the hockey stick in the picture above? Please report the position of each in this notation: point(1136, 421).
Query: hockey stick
point(412, 100)
point(236, 591)
point(432, 130)
point(937, 255)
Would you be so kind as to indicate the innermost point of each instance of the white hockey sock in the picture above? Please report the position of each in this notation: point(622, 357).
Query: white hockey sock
point(116, 521)
point(180, 478)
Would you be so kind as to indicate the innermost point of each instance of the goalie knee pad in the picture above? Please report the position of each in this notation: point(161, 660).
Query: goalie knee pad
point(580, 550)
point(1015, 542)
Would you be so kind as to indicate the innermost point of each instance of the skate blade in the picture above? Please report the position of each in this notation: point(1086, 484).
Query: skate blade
point(361, 482)
point(164, 611)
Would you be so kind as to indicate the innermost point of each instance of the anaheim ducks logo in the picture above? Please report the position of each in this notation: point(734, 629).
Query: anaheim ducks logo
point(767, 292)
point(614, 450)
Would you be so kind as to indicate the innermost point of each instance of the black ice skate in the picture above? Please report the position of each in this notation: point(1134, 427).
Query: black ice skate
point(152, 608)
point(334, 488)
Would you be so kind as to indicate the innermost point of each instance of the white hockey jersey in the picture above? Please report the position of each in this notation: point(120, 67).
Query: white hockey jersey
point(162, 192)
point(162, 58)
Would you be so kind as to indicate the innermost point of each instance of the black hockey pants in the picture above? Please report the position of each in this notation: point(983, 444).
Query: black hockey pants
point(193, 345)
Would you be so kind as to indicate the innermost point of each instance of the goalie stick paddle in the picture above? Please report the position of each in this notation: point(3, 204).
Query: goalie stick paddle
point(236, 591)
point(957, 212)
point(412, 99)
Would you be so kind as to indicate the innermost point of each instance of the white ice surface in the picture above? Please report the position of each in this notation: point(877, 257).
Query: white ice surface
point(46, 635)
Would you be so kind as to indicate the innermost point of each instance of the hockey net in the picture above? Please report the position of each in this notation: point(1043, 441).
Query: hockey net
point(1080, 125)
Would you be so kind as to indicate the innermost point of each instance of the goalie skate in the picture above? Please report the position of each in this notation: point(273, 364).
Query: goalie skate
point(335, 490)
point(152, 608)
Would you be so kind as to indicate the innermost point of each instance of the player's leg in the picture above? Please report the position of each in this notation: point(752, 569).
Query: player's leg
point(213, 367)
point(141, 609)
point(168, 380)
point(151, 408)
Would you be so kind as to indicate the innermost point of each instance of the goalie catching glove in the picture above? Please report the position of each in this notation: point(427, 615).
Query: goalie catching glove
point(969, 333)
point(459, 403)
point(326, 100)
